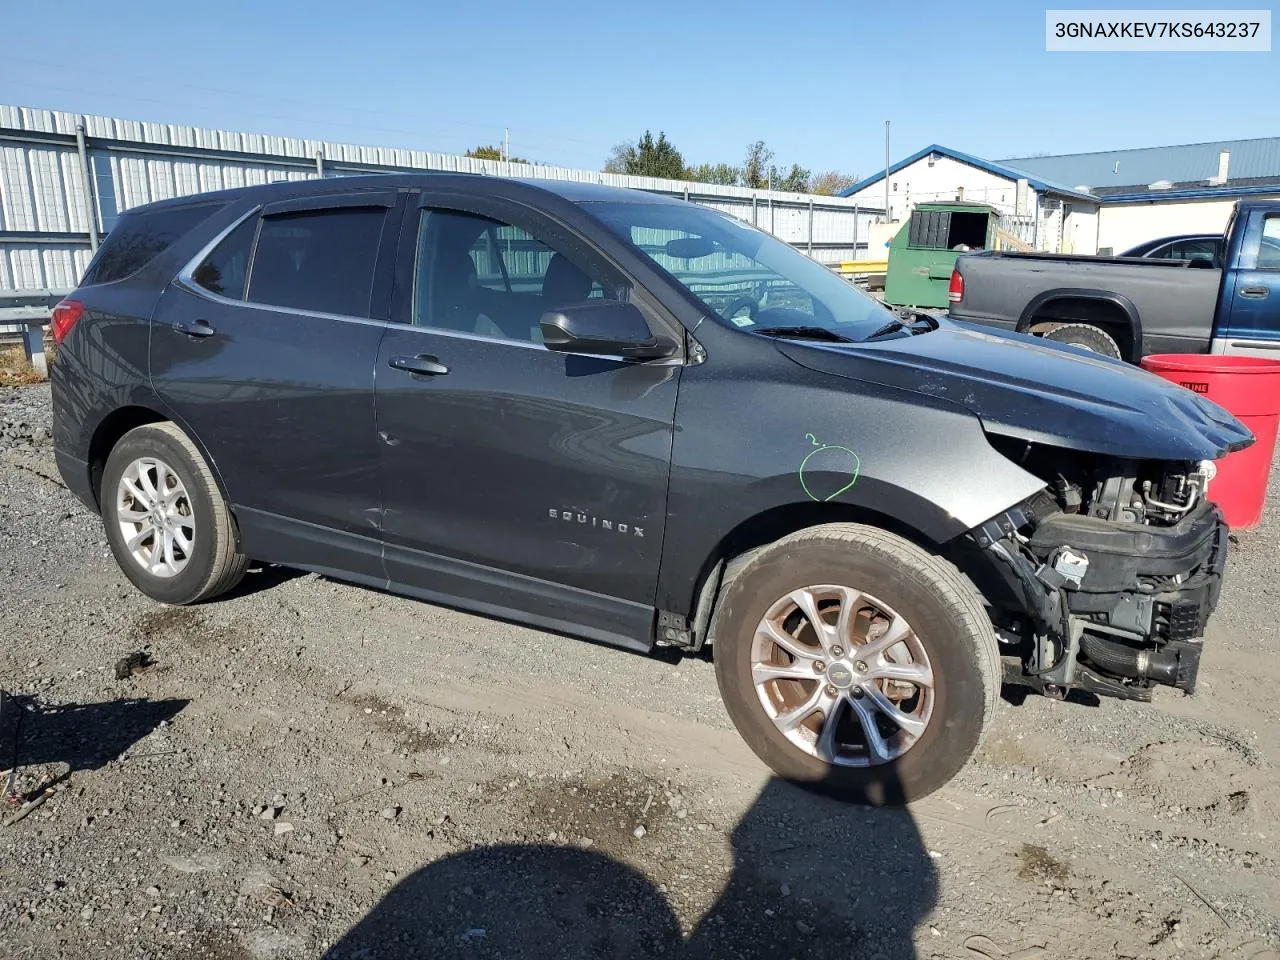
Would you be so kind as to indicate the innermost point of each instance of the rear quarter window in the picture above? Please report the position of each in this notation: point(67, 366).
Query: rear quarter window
point(225, 270)
point(139, 237)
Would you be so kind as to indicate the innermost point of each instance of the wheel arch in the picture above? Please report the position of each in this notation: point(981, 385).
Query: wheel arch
point(1109, 311)
point(120, 421)
point(752, 533)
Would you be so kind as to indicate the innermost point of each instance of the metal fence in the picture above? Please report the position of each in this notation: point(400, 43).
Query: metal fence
point(65, 179)
point(1021, 230)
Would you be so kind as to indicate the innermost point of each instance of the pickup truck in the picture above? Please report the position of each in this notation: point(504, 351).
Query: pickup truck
point(1128, 307)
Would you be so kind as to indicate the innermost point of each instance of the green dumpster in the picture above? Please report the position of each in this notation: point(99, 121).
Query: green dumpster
point(924, 252)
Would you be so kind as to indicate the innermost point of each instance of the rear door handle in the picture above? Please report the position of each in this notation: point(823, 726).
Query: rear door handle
point(423, 365)
point(199, 328)
point(1255, 293)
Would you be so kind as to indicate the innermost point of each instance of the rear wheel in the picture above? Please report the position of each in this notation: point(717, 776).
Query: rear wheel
point(1088, 337)
point(168, 525)
point(853, 661)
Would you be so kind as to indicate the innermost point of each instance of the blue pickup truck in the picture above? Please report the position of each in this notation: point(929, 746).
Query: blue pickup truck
point(1128, 307)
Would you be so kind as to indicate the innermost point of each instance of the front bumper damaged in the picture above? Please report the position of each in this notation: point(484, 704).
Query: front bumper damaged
point(1115, 608)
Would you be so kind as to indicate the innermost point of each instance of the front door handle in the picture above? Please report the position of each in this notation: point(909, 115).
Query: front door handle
point(1255, 293)
point(423, 365)
point(199, 328)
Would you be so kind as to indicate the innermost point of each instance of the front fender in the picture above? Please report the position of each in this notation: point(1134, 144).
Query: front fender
point(744, 447)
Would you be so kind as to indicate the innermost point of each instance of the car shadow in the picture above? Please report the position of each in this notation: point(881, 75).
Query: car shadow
point(259, 577)
point(84, 736)
point(811, 877)
point(1016, 695)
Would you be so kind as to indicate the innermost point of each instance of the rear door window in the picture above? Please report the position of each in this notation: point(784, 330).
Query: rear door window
point(318, 260)
point(140, 236)
point(225, 270)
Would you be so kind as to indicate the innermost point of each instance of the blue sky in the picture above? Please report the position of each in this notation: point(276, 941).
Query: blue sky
point(815, 80)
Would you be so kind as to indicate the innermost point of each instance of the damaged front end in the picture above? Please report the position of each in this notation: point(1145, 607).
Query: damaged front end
point(1113, 571)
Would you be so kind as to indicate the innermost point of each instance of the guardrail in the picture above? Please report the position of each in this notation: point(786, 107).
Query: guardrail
point(26, 313)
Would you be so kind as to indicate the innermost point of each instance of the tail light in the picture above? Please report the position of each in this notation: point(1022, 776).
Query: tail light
point(955, 290)
point(65, 315)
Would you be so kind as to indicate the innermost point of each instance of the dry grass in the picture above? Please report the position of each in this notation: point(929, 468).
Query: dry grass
point(15, 371)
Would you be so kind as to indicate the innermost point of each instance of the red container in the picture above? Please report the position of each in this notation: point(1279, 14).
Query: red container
point(1248, 387)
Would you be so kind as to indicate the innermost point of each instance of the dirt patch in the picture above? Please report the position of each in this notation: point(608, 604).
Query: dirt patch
point(161, 624)
point(165, 623)
point(210, 946)
point(390, 718)
point(1207, 779)
point(607, 812)
point(1040, 866)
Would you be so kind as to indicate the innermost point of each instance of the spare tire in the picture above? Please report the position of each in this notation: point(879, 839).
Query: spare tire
point(1087, 337)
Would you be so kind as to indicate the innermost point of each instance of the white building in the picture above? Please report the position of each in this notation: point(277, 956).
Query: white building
point(1101, 202)
point(1043, 213)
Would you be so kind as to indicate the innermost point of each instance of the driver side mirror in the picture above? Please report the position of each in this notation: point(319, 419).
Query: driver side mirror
point(603, 328)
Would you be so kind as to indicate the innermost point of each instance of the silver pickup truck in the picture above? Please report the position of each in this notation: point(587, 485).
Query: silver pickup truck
point(1128, 307)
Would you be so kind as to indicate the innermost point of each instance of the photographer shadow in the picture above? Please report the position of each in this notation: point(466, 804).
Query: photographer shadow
point(83, 736)
point(811, 877)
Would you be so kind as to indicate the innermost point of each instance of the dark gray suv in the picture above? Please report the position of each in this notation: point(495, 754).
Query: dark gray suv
point(641, 422)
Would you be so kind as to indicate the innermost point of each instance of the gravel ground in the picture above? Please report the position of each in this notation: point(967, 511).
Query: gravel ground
point(313, 769)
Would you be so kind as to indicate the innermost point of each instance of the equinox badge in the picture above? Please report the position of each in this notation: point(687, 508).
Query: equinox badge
point(574, 516)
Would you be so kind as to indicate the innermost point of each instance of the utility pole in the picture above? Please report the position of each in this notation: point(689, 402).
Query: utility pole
point(886, 171)
point(506, 143)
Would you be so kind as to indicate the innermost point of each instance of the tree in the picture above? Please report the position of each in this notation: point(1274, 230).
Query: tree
point(659, 158)
point(795, 180)
point(723, 173)
point(490, 152)
point(831, 182)
point(755, 172)
point(619, 157)
point(648, 158)
point(656, 158)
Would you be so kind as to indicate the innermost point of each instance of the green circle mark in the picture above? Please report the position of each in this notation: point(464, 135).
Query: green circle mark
point(824, 448)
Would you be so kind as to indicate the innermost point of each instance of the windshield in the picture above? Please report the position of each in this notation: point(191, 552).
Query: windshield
point(742, 275)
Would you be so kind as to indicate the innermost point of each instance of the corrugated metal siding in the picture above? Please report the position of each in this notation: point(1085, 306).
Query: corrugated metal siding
point(135, 162)
point(1177, 164)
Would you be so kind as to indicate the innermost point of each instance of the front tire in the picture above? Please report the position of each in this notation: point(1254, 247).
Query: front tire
point(902, 656)
point(170, 529)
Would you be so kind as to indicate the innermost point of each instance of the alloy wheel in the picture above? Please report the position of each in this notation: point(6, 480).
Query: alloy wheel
point(842, 675)
point(156, 517)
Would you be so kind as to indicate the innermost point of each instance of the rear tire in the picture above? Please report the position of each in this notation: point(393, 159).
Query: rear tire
point(1088, 337)
point(888, 579)
point(169, 527)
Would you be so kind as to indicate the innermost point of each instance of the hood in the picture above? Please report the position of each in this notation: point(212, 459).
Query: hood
point(1037, 390)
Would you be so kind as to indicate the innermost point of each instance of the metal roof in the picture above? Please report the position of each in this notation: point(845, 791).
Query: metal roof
point(1138, 168)
point(1037, 181)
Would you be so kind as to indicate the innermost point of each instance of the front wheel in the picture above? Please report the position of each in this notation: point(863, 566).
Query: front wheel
point(855, 662)
point(170, 529)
